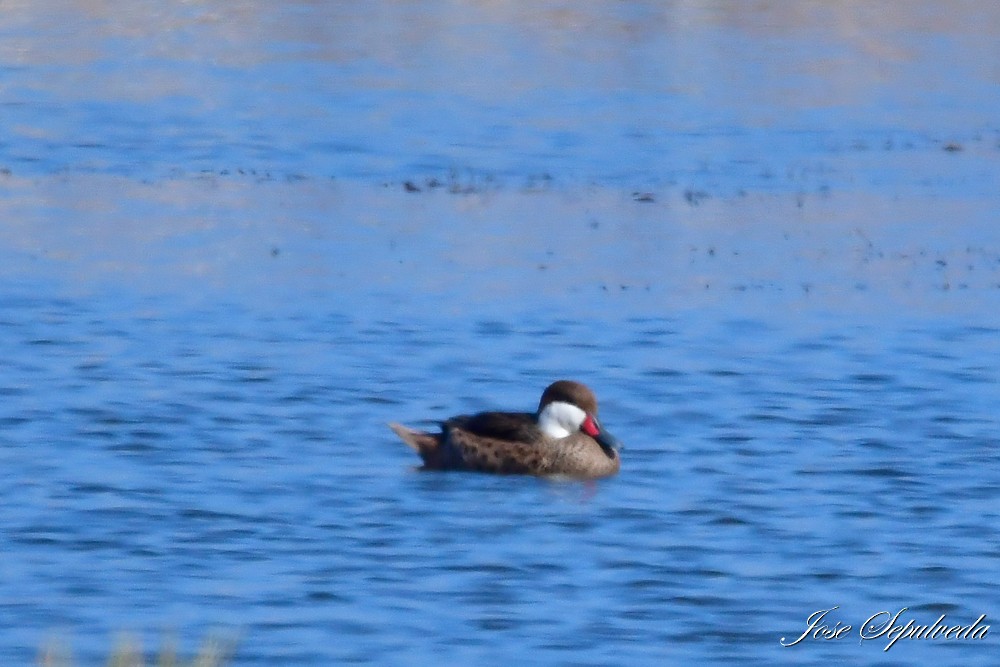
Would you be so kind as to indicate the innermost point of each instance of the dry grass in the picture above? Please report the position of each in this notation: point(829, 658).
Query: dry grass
point(214, 652)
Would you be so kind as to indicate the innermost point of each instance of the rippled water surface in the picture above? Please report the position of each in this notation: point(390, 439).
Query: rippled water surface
point(238, 238)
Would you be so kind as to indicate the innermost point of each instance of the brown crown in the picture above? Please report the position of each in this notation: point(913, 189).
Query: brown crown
point(571, 392)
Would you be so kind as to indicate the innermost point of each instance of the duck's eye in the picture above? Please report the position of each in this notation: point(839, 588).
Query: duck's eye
point(590, 426)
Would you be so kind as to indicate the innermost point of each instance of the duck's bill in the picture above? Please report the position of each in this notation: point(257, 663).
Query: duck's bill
point(608, 443)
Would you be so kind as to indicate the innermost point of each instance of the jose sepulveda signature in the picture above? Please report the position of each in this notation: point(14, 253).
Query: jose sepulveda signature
point(820, 625)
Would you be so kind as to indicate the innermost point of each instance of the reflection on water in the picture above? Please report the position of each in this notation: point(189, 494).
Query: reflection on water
point(236, 239)
point(715, 96)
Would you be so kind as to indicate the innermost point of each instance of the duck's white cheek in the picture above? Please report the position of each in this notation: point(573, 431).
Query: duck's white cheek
point(559, 419)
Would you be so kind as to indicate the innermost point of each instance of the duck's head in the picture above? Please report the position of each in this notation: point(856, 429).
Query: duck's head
point(569, 407)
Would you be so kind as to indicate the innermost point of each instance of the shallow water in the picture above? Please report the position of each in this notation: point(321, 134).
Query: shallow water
point(235, 240)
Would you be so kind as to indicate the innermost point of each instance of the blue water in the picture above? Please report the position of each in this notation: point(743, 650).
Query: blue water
point(236, 240)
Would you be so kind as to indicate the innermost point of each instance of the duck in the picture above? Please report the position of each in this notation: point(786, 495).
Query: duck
point(561, 438)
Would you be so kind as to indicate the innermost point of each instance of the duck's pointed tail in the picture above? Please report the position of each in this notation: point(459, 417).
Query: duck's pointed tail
point(426, 444)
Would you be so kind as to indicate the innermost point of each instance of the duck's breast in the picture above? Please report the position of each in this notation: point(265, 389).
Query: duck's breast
point(579, 455)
